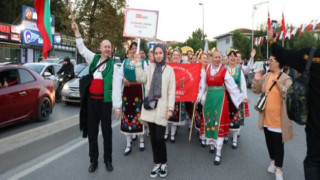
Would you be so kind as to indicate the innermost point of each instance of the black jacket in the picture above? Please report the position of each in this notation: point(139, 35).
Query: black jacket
point(67, 69)
point(297, 59)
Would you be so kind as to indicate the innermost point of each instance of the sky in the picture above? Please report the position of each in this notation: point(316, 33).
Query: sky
point(179, 18)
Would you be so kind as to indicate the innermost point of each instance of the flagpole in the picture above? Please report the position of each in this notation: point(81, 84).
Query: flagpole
point(191, 127)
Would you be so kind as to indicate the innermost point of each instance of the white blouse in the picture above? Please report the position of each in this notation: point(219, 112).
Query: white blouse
point(236, 96)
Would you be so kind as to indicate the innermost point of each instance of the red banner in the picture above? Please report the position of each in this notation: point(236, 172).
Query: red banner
point(187, 81)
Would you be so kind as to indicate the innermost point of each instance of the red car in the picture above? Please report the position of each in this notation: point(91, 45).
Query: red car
point(24, 94)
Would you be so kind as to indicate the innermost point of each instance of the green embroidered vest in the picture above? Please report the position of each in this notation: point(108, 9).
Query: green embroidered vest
point(107, 75)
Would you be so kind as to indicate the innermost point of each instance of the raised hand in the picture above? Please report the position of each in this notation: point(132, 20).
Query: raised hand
point(253, 53)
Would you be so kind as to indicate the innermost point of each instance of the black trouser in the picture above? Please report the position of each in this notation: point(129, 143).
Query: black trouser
point(99, 110)
point(312, 161)
point(275, 146)
point(158, 143)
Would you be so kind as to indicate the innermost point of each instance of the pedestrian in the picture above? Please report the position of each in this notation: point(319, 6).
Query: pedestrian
point(131, 126)
point(217, 82)
point(297, 59)
point(236, 115)
point(159, 81)
point(224, 61)
point(189, 56)
point(150, 57)
point(104, 93)
point(194, 59)
point(274, 119)
point(142, 54)
point(198, 118)
point(41, 59)
point(179, 115)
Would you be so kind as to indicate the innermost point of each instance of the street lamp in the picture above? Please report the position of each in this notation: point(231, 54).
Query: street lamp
point(201, 4)
point(254, 7)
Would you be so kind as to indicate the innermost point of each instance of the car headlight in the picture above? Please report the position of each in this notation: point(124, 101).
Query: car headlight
point(66, 87)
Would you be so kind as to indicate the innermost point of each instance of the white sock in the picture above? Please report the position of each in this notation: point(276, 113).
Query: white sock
point(239, 130)
point(202, 137)
point(128, 141)
point(173, 129)
point(219, 147)
point(167, 129)
point(141, 138)
point(235, 136)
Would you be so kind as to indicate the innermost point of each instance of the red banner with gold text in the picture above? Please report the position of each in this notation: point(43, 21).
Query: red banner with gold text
point(187, 81)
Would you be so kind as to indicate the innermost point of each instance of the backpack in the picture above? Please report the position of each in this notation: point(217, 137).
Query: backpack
point(297, 108)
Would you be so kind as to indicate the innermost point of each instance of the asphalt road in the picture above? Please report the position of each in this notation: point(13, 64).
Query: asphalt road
point(186, 160)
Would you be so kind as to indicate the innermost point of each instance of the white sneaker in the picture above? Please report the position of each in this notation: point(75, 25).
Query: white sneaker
point(163, 170)
point(279, 174)
point(272, 168)
point(155, 171)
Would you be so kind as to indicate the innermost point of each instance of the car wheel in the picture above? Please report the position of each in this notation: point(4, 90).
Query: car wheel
point(44, 110)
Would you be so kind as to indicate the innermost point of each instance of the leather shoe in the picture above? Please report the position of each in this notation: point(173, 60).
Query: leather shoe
point(109, 166)
point(93, 166)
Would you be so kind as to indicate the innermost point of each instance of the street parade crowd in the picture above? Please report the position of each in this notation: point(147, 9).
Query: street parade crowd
point(142, 93)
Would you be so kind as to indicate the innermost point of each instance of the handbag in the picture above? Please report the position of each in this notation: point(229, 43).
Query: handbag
point(297, 108)
point(262, 100)
point(85, 81)
point(151, 104)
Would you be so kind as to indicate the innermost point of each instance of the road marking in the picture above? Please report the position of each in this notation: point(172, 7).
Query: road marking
point(54, 157)
point(18, 140)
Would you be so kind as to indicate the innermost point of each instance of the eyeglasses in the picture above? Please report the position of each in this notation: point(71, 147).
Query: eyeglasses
point(272, 60)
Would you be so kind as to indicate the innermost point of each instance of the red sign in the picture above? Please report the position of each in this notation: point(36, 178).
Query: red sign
point(2, 36)
point(15, 37)
point(4, 28)
point(187, 81)
point(15, 29)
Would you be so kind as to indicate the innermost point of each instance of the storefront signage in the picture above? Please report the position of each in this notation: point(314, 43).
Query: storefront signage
point(32, 38)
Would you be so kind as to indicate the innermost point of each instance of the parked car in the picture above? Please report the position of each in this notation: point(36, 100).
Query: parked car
point(24, 95)
point(59, 61)
point(41, 68)
point(79, 67)
point(70, 91)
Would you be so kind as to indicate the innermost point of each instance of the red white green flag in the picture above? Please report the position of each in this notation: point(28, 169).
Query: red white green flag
point(42, 8)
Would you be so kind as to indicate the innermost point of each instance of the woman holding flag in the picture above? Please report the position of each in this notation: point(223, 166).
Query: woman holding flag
point(131, 102)
point(179, 114)
point(236, 115)
point(217, 82)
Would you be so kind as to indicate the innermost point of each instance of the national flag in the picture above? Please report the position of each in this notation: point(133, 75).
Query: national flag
point(315, 22)
point(262, 40)
point(42, 8)
point(288, 33)
point(283, 27)
point(187, 81)
point(281, 35)
point(302, 28)
point(309, 27)
point(269, 22)
point(294, 31)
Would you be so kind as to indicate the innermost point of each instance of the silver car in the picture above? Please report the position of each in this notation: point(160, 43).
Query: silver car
point(46, 70)
point(70, 91)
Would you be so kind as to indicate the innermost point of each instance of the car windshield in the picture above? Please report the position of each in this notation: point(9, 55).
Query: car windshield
point(35, 67)
point(78, 68)
point(84, 72)
point(51, 60)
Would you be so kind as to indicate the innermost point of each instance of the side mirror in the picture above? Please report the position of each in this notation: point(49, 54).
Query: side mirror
point(46, 74)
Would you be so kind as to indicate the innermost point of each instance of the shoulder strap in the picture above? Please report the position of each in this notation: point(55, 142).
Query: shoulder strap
point(99, 66)
point(311, 55)
point(274, 83)
point(164, 68)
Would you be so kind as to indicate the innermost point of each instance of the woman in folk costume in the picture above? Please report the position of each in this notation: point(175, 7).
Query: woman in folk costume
point(236, 115)
point(198, 116)
point(132, 99)
point(179, 114)
point(217, 82)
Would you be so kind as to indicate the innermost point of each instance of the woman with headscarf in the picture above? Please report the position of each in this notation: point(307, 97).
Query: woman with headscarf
point(160, 86)
point(131, 102)
point(217, 82)
point(179, 114)
point(236, 115)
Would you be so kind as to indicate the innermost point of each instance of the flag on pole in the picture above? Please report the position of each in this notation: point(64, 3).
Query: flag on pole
point(262, 40)
point(293, 33)
point(309, 26)
point(288, 33)
point(187, 81)
point(42, 8)
point(315, 22)
point(281, 35)
point(283, 27)
point(269, 22)
point(302, 28)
